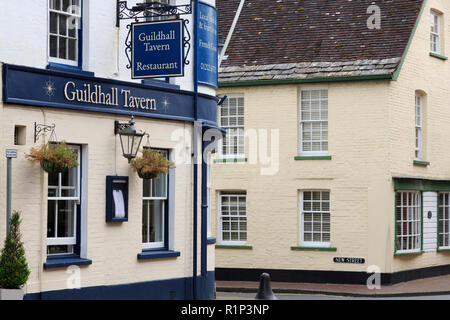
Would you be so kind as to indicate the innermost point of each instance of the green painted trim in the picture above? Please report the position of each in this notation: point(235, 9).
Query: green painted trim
point(313, 249)
point(230, 160)
point(408, 253)
point(313, 158)
point(234, 247)
point(421, 184)
point(413, 33)
point(435, 55)
point(443, 250)
point(395, 219)
point(421, 221)
point(299, 81)
point(421, 163)
point(438, 215)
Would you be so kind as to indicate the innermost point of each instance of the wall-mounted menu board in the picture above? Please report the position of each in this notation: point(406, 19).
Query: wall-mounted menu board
point(116, 199)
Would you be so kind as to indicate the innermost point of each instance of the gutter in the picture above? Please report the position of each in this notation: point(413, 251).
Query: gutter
point(388, 76)
point(197, 128)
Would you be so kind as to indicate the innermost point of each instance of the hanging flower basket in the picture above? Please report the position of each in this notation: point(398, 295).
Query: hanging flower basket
point(151, 164)
point(146, 175)
point(51, 167)
point(54, 157)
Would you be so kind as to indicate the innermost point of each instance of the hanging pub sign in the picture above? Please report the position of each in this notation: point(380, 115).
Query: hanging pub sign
point(157, 49)
point(207, 66)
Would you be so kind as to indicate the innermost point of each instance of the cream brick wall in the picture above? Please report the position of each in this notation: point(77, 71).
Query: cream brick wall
point(371, 133)
point(358, 136)
point(113, 248)
point(430, 75)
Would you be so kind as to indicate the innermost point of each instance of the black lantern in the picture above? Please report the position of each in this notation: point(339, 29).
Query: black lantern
point(130, 138)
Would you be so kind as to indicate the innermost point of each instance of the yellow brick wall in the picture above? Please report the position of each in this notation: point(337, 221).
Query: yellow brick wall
point(113, 248)
point(357, 138)
point(430, 75)
point(371, 140)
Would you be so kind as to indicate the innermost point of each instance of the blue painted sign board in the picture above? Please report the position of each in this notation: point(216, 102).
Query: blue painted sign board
point(56, 89)
point(157, 49)
point(207, 66)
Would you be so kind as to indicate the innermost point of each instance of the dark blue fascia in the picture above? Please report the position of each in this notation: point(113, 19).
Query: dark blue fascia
point(25, 86)
point(160, 84)
point(65, 261)
point(52, 66)
point(158, 254)
point(164, 289)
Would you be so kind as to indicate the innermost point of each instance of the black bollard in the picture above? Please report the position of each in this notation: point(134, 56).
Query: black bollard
point(265, 291)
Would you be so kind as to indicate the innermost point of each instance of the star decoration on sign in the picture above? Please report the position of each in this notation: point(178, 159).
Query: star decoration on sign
point(49, 88)
point(165, 103)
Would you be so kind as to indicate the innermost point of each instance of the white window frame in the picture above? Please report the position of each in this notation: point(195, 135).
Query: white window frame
point(231, 242)
point(313, 244)
point(446, 203)
point(435, 37)
point(416, 222)
point(419, 127)
point(229, 127)
point(302, 122)
point(69, 241)
point(77, 16)
point(163, 17)
point(159, 244)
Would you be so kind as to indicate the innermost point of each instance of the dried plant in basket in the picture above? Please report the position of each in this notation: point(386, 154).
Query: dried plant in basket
point(54, 157)
point(151, 164)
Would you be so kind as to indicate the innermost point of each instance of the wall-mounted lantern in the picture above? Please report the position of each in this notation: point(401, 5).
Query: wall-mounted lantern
point(130, 138)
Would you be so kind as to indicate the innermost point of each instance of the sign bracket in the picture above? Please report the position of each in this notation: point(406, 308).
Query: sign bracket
point(153, 10)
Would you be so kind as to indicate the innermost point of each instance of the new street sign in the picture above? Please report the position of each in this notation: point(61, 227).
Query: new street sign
point(157, 49)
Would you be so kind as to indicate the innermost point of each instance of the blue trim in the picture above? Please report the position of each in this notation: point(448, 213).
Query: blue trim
point(157, 254)
point(184, 108)
point(211, 241)
point(204, 213)
point(53, 66)
point(195, 174)
point(65, 261)
point(160, 84)
point(164, 289)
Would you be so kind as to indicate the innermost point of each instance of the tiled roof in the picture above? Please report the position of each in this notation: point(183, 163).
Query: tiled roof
point(302, 39)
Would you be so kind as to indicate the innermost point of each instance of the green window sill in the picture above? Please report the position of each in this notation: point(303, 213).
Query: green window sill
point(230, 160)
point(218, 246)
point(313, 249)
point(443, 250)
point(313, 158)
point(408, 253)
point(435, 55)
point(421, 163)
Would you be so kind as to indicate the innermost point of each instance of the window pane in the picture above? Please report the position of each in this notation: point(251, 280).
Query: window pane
point(145, 221)
point(62, 47)
point(69, 183)
point(316, 216)
point(72, 49)
point(66, 219)
point(53, 46)
point(56, 250)
point(51, 225)
point(53, 23)
point(156, 221)
point(66, 4)
point(408, 228)
point(62, 25)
